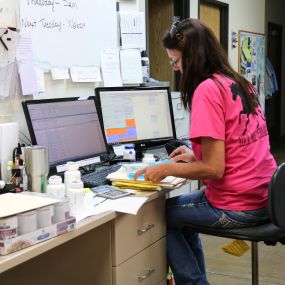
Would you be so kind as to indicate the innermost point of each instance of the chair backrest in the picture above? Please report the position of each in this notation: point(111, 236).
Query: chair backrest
point(276, 197)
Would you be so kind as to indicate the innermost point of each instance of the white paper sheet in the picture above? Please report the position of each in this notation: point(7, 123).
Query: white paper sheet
point(130, 205)
point(59, 73)
point(40, 79)
point(25, 60)
point(7, 15)
point(119, 149)
point(6, 74)
point(10, 39)
point(131, 66)
point(98, 205)
point(132, 26)
point(110, 65)
point(11, 204)
point(85, 74)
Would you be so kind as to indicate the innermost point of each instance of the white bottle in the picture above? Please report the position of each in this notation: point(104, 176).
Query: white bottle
point(145, 67)
point(148, 158)
point(75, 193)
point(72, 173)
point(129, 152)
point(55, 187)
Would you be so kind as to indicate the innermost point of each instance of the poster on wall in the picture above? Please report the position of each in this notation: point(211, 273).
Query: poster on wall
point(252, 60)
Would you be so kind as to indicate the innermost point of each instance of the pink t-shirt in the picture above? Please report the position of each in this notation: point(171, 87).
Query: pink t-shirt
point(222, 113)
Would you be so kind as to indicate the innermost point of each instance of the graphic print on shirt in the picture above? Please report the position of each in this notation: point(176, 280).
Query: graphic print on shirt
point(246, 139)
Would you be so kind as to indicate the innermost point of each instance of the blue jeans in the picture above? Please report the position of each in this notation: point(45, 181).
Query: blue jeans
point(184, 248)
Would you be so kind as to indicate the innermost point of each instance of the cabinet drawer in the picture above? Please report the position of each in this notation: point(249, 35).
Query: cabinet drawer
point(146, 268)
point(131, 234)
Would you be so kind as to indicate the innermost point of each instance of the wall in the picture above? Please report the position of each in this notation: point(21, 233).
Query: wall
point(275, 14)
point(248, 16)
point(243, 15)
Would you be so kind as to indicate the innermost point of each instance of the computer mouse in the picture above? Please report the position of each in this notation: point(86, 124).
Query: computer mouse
point(173, 144)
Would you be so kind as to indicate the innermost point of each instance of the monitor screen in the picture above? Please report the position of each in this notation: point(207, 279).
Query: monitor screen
point(69, 127)
point(142, 116)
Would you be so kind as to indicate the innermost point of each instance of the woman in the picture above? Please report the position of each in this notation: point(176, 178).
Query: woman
point(231, 151)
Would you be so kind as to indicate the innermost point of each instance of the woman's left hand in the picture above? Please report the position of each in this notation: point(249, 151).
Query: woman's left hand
point(154, 173)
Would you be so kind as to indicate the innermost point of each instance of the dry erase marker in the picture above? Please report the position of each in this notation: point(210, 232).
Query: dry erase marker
point(1, 40)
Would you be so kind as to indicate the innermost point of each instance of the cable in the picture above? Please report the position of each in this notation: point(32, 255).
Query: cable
point(26, 137)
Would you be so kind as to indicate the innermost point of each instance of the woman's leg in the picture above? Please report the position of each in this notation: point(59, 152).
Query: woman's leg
point(184, 249)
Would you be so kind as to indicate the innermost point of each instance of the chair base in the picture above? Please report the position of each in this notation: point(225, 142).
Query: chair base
point(254, 263)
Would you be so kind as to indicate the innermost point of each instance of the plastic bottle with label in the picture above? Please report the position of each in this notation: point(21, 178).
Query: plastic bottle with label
point(55, 187)
point(75, 193)
point(72, 173)
point(145, 67)
point(129, 152)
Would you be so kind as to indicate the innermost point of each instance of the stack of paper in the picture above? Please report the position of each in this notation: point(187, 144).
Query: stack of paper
point(124, 178)
point(12, 204)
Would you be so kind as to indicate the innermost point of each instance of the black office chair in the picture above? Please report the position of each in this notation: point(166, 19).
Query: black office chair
point(270, 233)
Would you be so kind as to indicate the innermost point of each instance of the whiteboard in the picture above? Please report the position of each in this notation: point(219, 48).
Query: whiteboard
point(66, 33)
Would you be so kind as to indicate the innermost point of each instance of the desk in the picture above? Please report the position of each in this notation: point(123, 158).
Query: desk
point(96, 252)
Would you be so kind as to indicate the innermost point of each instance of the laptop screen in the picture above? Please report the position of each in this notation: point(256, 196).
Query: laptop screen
point(69, 127)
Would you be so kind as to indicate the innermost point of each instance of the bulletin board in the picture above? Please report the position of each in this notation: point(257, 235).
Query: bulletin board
point(66, 33)
point(252, 58)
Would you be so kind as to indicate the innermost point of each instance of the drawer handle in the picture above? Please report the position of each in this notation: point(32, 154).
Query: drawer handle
point(149, 226)
point(149, 272)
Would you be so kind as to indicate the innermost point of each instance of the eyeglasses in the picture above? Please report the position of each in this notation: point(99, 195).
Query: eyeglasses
point(174, 63)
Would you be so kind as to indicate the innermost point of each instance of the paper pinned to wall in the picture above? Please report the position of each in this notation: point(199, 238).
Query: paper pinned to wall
point(85, 74)
point(7, 15)
point(6, 73)
point(110, 65)
point(59, 73)
point(132, 25)
point(25, 60)
point(8, 45)
point(131, 66)
point(40, 79)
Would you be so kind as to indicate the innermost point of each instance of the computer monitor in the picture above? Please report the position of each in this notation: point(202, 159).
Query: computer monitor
point(139, 115)
point(69, 127)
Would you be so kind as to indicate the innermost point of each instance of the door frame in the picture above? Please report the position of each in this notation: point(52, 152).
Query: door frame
point(182, 9)
point(278, 73)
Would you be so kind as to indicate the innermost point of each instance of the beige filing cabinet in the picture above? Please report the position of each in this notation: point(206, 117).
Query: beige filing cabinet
point(139, 246)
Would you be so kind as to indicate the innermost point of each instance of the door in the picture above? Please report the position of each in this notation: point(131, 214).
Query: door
point(215, 14)
point(273, 105)
point(160, 17)
point(211, 15)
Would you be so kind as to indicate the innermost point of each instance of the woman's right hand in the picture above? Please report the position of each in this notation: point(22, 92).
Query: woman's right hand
point(182, 153)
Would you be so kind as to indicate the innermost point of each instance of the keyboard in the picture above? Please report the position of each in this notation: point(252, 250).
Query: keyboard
point(98, 177)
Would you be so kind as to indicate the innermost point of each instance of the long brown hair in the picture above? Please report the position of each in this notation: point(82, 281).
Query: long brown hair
point(202, 57)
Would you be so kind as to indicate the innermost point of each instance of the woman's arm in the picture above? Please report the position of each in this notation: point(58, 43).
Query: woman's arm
point(182, 153)
point(212, 165)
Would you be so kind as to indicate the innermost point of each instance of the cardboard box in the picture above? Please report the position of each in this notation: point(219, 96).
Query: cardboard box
point(19, 242)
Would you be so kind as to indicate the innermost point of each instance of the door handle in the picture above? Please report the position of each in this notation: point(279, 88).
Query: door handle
point(149, 226)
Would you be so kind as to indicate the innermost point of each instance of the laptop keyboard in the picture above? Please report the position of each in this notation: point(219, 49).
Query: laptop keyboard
point(98, 177)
